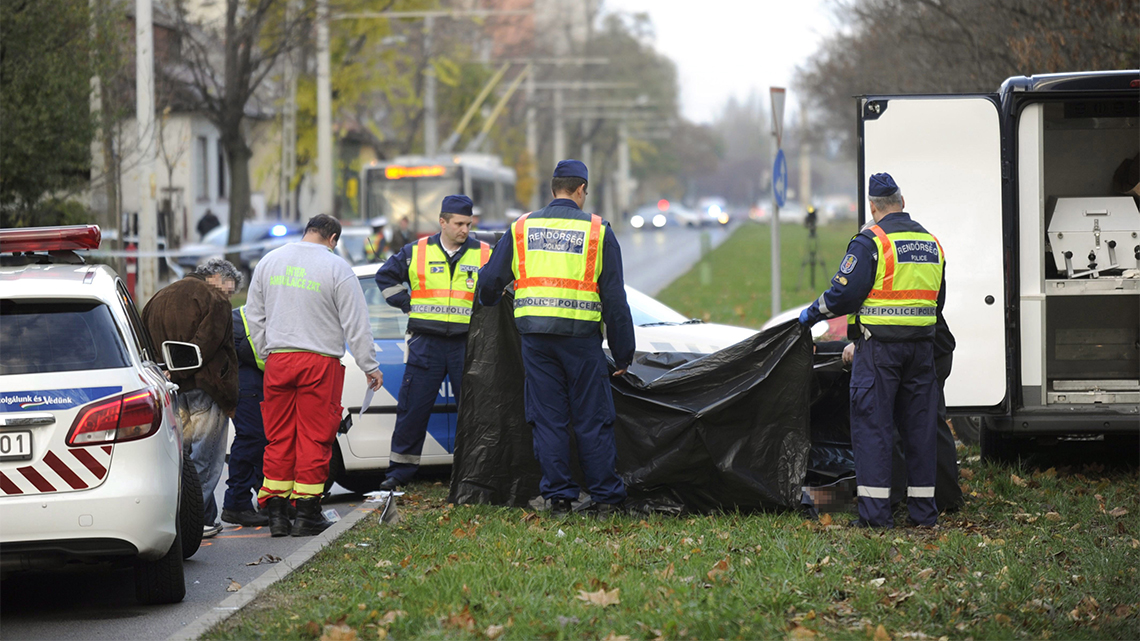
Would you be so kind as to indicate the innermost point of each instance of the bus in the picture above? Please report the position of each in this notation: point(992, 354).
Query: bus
point(413, 187)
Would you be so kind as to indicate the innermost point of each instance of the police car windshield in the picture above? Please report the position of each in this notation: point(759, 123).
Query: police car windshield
point(58, 336)
point(647, 311)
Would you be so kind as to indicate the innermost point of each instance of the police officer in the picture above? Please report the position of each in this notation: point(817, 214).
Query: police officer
point(567, 269)
point(248, 448)
point(891, 287)
point(441, 272)
point(375, 245)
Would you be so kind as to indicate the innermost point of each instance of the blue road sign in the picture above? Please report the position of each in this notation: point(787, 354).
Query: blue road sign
point(780, 178)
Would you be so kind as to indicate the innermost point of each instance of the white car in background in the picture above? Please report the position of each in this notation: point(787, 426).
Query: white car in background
point(361, 455)
point(91, 461)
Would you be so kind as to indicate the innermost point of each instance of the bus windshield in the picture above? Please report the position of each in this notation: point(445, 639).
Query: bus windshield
point(418, 199)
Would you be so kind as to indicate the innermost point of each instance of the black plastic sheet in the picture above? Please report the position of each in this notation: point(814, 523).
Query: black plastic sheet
point(725, 431)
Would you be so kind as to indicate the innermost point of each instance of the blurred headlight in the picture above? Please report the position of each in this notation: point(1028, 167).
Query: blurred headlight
point(637, 221)
point(659, 220)
point(723, 218)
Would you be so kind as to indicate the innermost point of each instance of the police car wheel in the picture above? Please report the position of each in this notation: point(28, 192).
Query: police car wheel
point(191, 514)
point(163, 580)
point(966, 428)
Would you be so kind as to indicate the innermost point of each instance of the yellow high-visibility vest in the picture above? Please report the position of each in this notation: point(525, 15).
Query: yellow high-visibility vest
point(557, 263)
point(437, 294)
point(907, 279)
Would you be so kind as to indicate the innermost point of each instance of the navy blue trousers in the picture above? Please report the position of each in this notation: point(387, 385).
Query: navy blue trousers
point(894, 383)
point(246, 453)
point(430, 359)
point(568, 384)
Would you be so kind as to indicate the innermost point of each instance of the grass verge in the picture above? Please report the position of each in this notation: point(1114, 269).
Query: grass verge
point(1034, 554)
point(741, 269)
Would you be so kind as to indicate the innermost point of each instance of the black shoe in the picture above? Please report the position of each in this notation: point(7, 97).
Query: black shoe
point(248, 518)
point(603, 511)
point(309, 521)
point(278, 508)
point(389, 484)
point(560, 507)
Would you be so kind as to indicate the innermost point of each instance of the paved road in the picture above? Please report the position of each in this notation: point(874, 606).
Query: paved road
point(653, 259)
point(86, 603)
point(99, 603)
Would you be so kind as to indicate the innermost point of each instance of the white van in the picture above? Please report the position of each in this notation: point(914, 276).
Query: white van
point(1043, 293)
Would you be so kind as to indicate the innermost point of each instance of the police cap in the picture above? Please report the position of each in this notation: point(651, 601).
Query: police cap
point(457, 204)
point(571, 169)
point(881, 185)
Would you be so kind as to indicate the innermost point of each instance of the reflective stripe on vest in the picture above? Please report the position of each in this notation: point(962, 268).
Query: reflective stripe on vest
point(438, 294)
point(907, 278)
point(249, 338)
point(556, 264)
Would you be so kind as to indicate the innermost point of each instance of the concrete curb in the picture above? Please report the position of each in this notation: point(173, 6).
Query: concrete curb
point(275, 573)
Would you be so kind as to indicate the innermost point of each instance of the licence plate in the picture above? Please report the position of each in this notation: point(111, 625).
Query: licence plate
point(16, 446)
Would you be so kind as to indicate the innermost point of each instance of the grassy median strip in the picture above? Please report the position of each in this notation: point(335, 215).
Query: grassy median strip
point(740, 290)
point(1034, 554)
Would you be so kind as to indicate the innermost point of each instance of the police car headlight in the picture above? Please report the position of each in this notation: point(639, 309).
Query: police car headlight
point(659, 220)
point(723, 218)
point(637, 221)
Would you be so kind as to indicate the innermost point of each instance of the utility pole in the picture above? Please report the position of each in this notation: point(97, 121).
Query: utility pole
point(532, 141)
point(325, 158)
point(559, 127)
point(431, 136)
point(778, 168)
point(289, 128)
point(147, 283)
point(623, 167)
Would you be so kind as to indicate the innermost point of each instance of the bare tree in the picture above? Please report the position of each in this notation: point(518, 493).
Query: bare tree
point(225, 62)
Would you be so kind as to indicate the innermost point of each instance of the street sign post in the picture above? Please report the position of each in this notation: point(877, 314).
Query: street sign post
point(780, 178)
point(779, 190)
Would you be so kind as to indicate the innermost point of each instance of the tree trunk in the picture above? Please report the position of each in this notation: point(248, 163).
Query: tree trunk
point(238, 154)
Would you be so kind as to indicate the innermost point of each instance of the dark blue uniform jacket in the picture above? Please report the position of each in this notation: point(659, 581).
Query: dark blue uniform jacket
point(392, 278)
point(497, 274)
point(856, 277)
point(249, 376)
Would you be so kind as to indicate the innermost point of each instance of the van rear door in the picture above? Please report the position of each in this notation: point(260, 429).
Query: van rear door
point(945, 154)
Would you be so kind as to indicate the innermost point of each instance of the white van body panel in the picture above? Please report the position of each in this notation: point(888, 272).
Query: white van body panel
point(945, 154)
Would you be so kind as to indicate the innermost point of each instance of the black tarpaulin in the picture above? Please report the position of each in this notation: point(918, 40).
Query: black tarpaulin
point(725, 431)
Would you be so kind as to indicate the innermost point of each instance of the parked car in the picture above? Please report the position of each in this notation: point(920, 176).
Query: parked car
point(91, 460)
point(361, 455)
point(262, 235)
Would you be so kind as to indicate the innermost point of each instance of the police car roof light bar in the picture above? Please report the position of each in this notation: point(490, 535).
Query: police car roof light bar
point(43, 239)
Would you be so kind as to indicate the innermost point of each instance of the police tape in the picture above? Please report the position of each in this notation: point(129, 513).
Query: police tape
point(199, 251)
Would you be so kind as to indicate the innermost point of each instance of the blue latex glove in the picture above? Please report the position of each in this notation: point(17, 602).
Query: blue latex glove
point(804, 316)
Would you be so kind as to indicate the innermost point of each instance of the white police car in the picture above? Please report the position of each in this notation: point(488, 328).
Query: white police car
point(91, 465)
point(360, 455)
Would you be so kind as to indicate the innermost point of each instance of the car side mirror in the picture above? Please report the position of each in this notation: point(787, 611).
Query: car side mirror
point(181, 356)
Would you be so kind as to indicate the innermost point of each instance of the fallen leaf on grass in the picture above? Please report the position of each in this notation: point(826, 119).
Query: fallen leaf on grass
point(1052, 516)
point(265, 558)
point(875, 583)
point(1117, 512)
point(666, 572)
point(390, 616)
point(1003, 619)
point(966, 473)
point(616, 637)
point(462, 620)
point(383, 563)
point(800, 632)
point(881, 634)
point(602, 597)
point(1018, 481)
point(717, 570)
point(494, 631)
point(565, 621)
point(924, 574)
point(338, 632)
point(825, 520)
point(234, 586)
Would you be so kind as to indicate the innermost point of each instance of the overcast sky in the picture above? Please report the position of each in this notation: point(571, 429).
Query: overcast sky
point(726, 48)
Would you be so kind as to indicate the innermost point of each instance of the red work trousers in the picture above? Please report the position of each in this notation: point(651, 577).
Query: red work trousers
point(301, 412)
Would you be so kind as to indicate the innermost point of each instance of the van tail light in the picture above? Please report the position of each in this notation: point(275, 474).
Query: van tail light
point(127, 417)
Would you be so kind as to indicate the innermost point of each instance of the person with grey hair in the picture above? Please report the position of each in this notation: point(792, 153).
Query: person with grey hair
point(196, 309)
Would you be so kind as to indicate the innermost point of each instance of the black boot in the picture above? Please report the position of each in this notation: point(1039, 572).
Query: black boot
point(309, 521)
point(278, 508)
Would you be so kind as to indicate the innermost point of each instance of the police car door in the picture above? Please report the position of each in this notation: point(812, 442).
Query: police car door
point(945, 154)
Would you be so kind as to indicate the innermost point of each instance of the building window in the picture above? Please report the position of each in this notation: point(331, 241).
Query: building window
point(221, 171)
point(203, 168)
